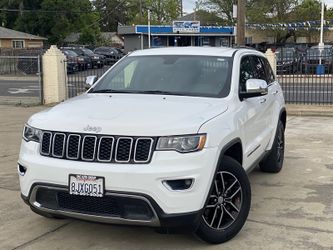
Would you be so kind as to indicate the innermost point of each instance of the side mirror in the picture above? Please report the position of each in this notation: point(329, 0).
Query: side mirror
point(90, 80)
point(255, 88)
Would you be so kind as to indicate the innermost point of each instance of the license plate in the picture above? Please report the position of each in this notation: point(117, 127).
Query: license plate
point(86, 185)
point(99, 62)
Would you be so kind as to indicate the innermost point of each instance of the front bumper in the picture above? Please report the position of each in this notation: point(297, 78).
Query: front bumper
point(142, 180)
point(153, 216)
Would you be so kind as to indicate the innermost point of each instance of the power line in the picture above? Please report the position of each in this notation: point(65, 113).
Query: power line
point(47, 11)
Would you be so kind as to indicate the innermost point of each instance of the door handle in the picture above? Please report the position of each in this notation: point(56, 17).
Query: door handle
point(275, 92)
point(263, 100)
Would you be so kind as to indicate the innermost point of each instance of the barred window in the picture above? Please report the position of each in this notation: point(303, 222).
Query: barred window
point(18, 44)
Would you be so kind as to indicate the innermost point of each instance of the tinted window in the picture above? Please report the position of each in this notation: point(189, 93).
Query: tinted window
point(88, 52)
point(259, 70)
point(175, 74)
point(269, 72)
point(246, 72)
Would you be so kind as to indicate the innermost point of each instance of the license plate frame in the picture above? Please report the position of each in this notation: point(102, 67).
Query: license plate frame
point(84, 185)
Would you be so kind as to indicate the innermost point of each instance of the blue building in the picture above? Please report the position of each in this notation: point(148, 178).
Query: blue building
point(181, 33)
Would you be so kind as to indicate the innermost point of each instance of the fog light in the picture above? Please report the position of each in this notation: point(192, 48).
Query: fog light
point(178, 185)
point(21, 170)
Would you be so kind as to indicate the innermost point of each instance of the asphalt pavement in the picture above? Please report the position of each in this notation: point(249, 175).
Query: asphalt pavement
point(290, 210)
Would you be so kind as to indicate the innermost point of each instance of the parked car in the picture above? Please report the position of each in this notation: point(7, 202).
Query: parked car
point(288, 61)
point(84, 61)
point(315, 57)
point(72, 61)
point(96, 60)
point(112, 55)
point(163, 139)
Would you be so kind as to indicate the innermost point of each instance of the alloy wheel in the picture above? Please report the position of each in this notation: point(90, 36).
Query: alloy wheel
point(225, 201)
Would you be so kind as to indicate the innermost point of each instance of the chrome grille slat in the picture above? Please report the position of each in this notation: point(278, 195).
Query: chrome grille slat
point(122, 152)
point(102, 149)
point(57, 145)
point(85, 148)
point(144, 156)
point(69, 146)
point(97, 148)
point(46, 143)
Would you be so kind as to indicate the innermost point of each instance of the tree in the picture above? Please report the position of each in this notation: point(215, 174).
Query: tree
point(164, 11)
point(221, 8)
point(113, 12)
point(55, 19)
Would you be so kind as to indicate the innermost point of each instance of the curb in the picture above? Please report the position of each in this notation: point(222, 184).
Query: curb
point(19, 78)
point(310, 110)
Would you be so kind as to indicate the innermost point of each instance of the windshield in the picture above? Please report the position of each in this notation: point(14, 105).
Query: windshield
point(88, 52)
point(170, 75)
point(285, 54)
point(70, 53)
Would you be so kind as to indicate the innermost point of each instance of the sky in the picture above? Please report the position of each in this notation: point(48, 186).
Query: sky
point(189, 5)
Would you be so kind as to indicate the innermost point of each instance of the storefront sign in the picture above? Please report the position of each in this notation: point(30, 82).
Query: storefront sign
point(186, 26)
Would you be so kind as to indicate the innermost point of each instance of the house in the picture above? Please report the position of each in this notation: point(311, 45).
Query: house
point(15, 39)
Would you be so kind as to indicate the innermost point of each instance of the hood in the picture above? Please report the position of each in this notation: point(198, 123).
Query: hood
point(130, 114)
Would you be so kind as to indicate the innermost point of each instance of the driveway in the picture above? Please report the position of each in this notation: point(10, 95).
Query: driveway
point(290, 210)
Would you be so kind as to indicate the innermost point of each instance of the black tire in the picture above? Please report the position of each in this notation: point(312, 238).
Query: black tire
point(273, 162)
point(46, 215)
point(225, 227)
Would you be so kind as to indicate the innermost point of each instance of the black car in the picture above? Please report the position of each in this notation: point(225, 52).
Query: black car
point(111, 54)
point(96, 60)
point(72, 61)
point(315, 57)
point(287, 60)
point(84, 62)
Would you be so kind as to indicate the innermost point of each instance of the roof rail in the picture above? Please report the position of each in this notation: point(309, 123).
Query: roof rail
point(235, 46)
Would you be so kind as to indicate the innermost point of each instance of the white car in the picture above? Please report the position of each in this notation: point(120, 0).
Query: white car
point(164, 139)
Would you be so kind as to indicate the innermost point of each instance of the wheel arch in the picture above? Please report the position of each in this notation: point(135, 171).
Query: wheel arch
point(236, 141)
point(283, 117)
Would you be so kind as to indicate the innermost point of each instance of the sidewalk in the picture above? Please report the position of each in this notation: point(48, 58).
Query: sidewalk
point(309, 110)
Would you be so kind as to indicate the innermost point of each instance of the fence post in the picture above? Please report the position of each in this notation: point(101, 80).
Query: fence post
point(54, 75)
point(271, 59)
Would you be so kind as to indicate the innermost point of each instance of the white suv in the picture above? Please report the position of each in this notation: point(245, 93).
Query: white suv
point(164, 139)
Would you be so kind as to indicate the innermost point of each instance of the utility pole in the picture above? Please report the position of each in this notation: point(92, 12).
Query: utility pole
point(181, 7)
point(240, 36)
point(321, 43)
point(149, 28)
point(140, 3)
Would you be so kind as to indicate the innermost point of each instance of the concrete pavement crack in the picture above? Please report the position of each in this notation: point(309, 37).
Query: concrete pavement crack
point(293, 227)
point(22, 246)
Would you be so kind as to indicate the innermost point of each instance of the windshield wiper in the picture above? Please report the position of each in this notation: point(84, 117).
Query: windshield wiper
point(154, 92)
point(111, 91)
point(158, 92)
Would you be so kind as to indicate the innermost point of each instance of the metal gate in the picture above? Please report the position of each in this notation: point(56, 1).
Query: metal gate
point(306, 77)
point(76, 80)
point(20, 79)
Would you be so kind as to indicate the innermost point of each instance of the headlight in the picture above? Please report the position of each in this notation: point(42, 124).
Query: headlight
point(31, 134)
point(96, 57)
point(182, 144)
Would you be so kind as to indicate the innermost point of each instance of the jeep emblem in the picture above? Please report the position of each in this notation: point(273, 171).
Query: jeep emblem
point(89, 128)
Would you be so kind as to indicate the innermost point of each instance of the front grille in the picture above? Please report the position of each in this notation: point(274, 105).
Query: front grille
point(100, 148)
point(103, 206)
point(111, 205)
